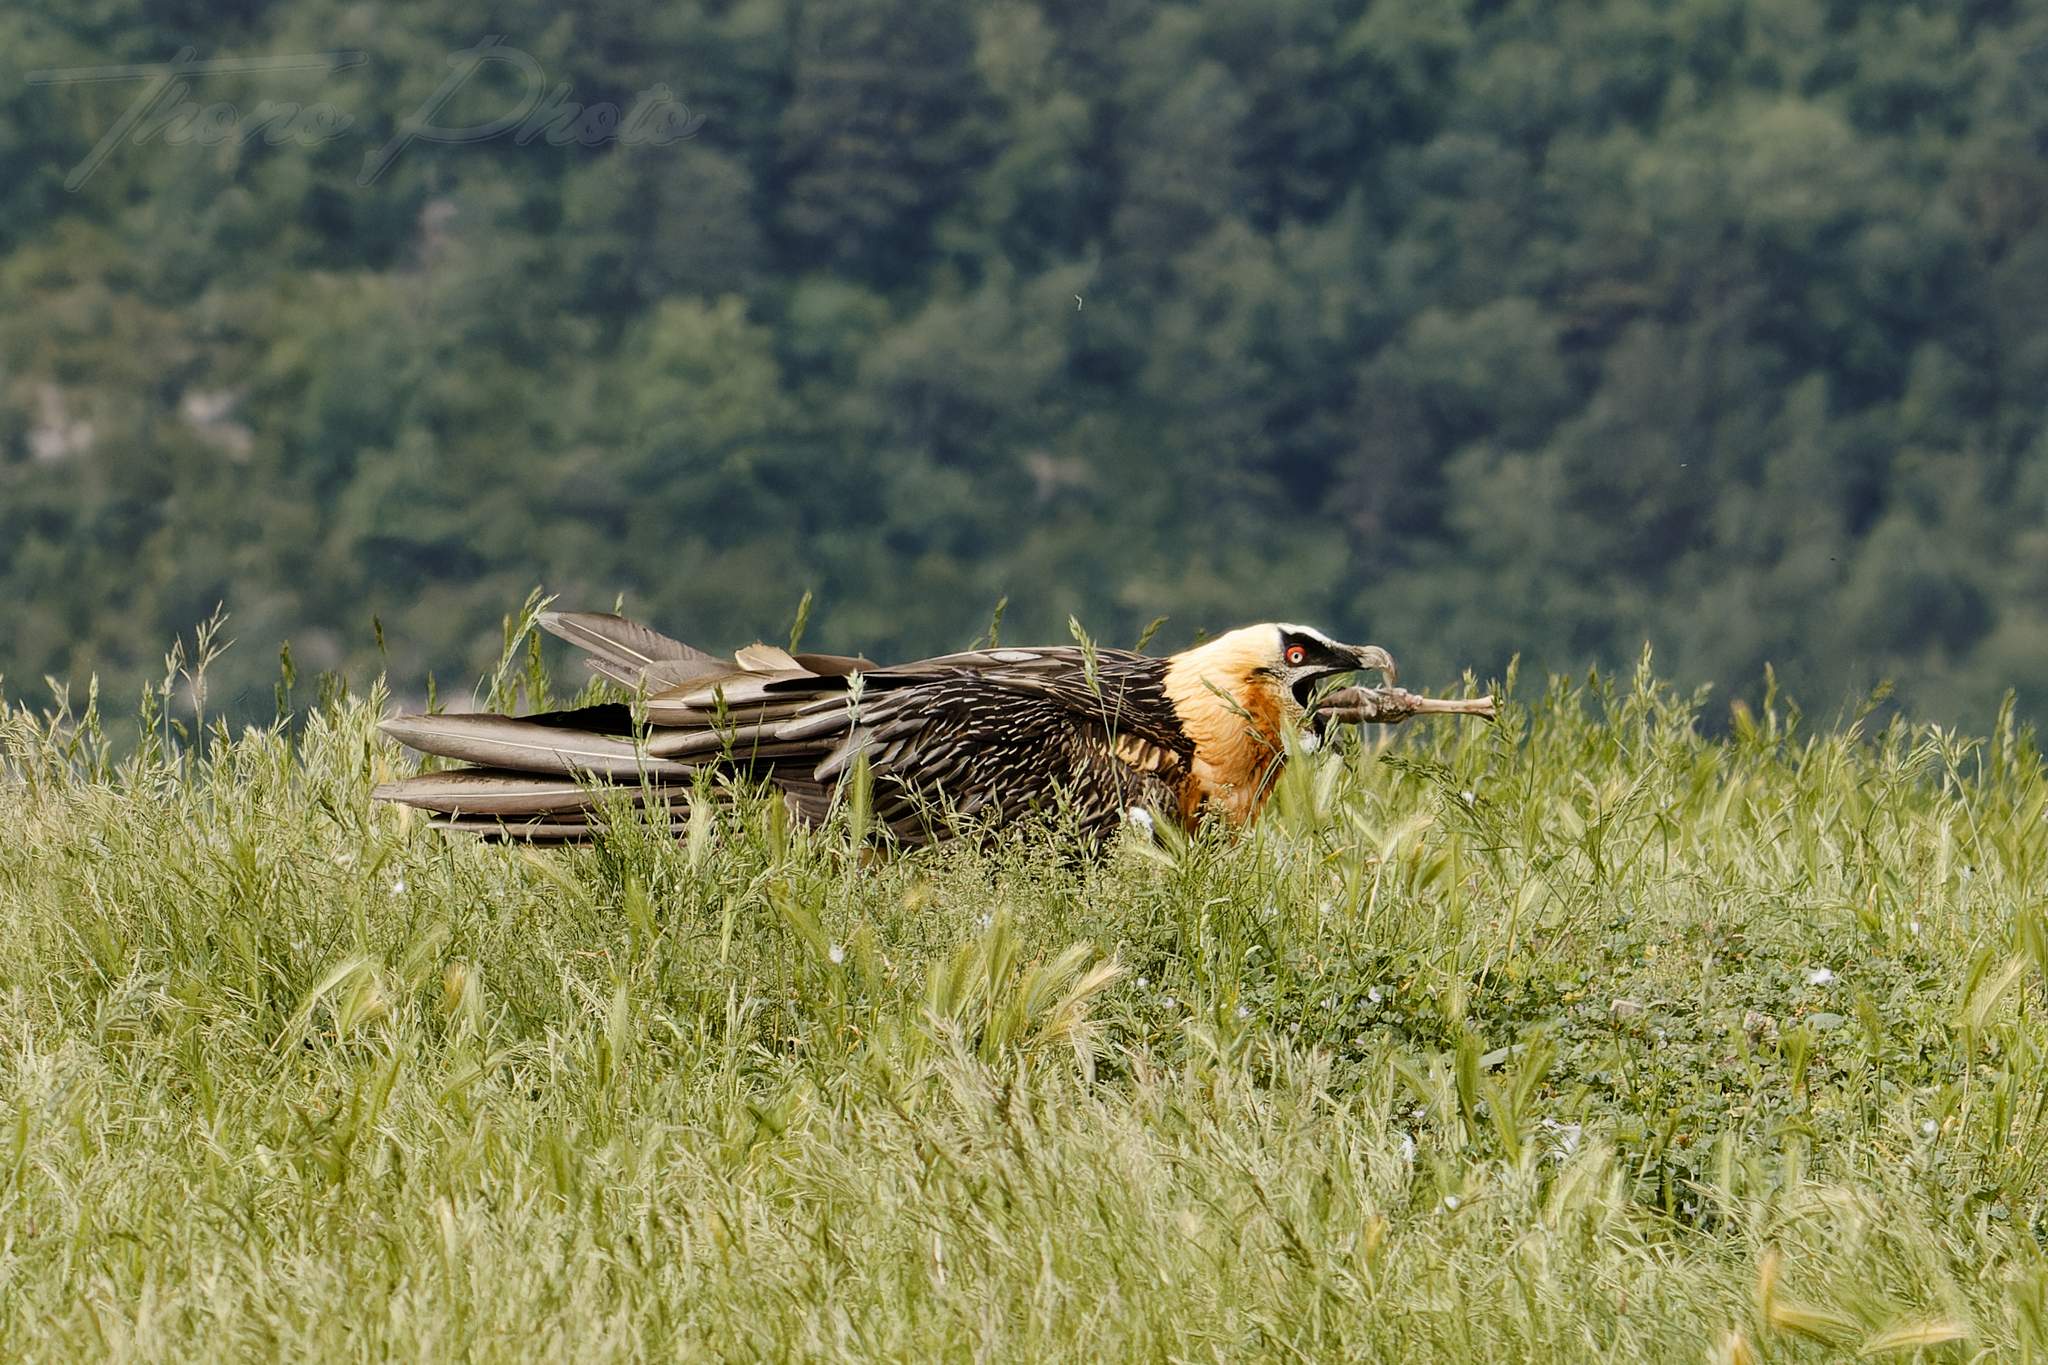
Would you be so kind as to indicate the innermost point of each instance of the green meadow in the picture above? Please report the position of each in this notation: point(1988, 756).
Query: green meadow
point(1595, 1033)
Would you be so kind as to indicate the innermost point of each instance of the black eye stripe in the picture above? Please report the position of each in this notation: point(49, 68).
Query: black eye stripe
point(1299, 651)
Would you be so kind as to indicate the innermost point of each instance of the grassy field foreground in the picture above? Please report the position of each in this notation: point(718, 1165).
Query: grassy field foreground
point(1580, 1035)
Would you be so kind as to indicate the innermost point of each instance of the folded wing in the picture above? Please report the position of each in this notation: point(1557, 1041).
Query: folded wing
point(964, 738)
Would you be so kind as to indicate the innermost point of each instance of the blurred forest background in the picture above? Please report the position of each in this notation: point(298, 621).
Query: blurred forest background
point(1466, 328)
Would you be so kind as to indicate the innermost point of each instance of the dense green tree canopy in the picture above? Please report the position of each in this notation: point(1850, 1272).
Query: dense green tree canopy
point(1472, 329)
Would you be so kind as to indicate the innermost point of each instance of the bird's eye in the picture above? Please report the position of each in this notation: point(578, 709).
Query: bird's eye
point(1296, 656)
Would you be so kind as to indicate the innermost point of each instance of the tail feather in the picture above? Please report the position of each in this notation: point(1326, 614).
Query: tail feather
point(748, 689)
point(622, 674)
point(615, 638)
point(533, 831)
point(668, 674)
point(494, 792)
point(747, 745)
point(663, 714)
point(834, 665)
point(760, 658)
point(502, 742)
point(763, 712)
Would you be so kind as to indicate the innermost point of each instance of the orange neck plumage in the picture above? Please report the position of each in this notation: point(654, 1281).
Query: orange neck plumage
point(1235, 710)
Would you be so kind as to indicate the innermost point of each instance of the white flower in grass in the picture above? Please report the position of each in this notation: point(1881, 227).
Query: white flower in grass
point(1928, 1128)
point(1372, 993)
point(1408, 1148)
point(1467, 796)
point(398, 887)
point(1820, 976)
point(1244, 1011)
point(1143, 982)
point(1451, 1202)
point(1139, 816)
point(836, 953)
point(1914, 925)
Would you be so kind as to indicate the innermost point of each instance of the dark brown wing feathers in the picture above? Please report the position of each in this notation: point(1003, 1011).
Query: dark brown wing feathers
point(987, 733)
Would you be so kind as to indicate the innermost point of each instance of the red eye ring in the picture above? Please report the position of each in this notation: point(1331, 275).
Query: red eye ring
point(1296, 655)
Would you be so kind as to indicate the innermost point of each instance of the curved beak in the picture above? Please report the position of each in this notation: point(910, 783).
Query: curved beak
point(1372, 656)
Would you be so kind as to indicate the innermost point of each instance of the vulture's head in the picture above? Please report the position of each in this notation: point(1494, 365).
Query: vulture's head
point(1269, 674)
point(1308, 662)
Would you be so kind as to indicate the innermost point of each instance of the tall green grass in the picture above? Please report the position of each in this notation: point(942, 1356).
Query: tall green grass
point(1576, 1036)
